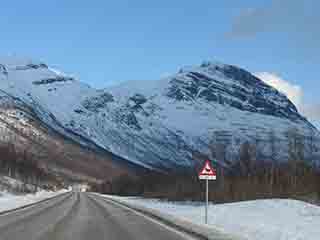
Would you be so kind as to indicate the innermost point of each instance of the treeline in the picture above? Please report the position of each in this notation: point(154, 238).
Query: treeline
point(244, 181)
point(24, 166)
point(247, 178)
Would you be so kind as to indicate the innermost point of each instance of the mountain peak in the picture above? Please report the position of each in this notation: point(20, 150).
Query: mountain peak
point(204, 66)
point(157, 124)
point(12, 61)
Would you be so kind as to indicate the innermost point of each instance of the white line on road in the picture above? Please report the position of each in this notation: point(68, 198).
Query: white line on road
point(172, 229)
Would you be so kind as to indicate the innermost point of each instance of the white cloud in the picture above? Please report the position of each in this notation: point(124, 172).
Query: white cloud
point(312, 111)
point(294, 92)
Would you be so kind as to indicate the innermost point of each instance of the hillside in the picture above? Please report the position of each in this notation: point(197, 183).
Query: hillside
point(149, 124)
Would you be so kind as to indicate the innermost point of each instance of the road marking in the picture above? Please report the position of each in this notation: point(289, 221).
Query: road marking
point(167, 227)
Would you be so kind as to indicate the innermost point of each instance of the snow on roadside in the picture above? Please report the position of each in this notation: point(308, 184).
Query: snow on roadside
point(9, 201)
point(270, 219)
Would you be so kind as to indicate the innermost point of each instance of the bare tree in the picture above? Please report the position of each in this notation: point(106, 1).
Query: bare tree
point(274, 156)
point(296, 148)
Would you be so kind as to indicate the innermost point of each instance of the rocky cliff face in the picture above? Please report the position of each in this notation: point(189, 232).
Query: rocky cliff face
point(229, 85)
point(160, 124)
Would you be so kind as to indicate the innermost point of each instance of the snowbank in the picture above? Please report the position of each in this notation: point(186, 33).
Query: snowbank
point(272, 219)
point(9, 201)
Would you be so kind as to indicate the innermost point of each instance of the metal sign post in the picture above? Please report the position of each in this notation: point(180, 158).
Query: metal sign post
point(207, 173)
point(207, 199)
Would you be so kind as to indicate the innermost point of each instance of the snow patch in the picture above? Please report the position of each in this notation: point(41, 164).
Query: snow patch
point(269, 219)
point(9, 201)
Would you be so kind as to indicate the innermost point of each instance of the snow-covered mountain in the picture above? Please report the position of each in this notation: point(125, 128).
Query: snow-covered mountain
point(160, 124)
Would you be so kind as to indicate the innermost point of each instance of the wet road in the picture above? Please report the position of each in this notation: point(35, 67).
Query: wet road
point(82, 216)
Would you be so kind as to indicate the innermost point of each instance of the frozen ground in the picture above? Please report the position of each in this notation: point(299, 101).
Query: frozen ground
point(271, 219)
point(9, 201)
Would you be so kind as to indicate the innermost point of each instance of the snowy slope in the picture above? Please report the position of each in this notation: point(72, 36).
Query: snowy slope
point(157, 124)
point(270, 219)
point(9, 201)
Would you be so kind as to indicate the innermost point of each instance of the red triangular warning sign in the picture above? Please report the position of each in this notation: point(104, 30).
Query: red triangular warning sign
point(207, 171)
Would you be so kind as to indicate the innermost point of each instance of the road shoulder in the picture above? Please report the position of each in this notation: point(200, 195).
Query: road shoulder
point(196, 230)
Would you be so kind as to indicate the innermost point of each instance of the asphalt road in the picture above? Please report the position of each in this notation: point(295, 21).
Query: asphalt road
point(82, 216)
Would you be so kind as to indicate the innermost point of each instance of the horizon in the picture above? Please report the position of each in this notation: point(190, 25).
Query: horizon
point(113, 84)
point(103, 44)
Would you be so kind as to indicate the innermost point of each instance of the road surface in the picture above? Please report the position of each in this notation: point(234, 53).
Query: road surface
point(84, 216)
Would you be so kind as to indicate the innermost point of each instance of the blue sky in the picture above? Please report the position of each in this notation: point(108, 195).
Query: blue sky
point(105, 42)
